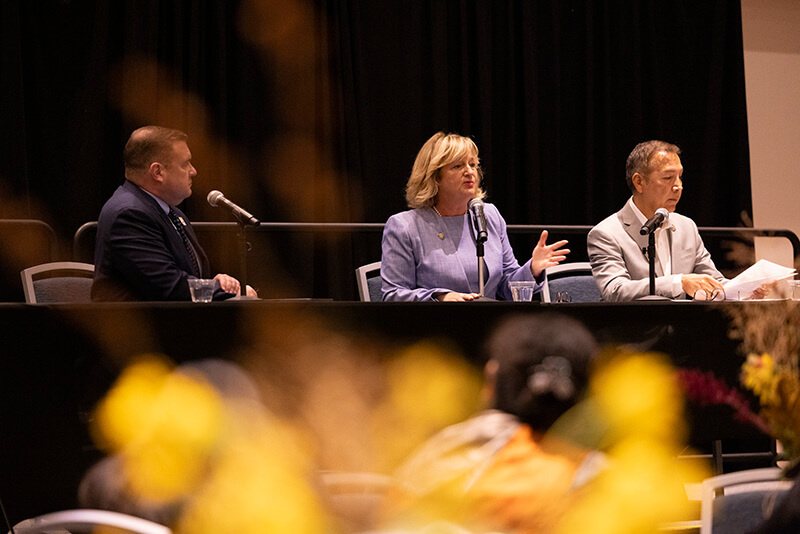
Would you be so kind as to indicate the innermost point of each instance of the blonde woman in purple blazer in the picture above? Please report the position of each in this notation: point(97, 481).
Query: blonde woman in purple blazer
point(429, 252)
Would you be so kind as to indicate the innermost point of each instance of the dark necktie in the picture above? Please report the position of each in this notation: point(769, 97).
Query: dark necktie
point(180, 225)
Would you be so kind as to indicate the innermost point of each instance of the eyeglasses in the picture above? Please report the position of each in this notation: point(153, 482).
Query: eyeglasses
point(702, 294)
point(563, 296)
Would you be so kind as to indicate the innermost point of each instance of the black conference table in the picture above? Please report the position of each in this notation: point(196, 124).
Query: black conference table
point(57, 360)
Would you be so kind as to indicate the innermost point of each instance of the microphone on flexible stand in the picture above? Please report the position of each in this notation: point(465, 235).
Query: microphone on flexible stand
point(654, 222)
point(5, 517)
point(216, 199)
point(479, 219)
point(649, 229)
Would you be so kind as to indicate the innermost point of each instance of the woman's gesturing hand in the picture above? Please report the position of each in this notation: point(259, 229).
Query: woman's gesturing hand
point(545, 255)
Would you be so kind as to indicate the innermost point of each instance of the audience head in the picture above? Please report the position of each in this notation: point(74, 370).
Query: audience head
point(158, 160)
point(110, 485)
point(439, 151)
point(643, 159)
point(540, 366)
point(105, 487)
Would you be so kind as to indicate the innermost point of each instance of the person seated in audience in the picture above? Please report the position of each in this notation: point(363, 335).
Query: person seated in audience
point(784, 516)
point(146, 248)
point(429, 252)
point(195, 448)
point(498, 471)
point(107, 484)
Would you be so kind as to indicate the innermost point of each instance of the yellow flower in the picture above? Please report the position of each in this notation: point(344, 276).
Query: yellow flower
point(427, 389)
point(163, 424)
point(638, 394)
point(758, 375)
point(130, 405)
point(642, 486)
point(258, 483)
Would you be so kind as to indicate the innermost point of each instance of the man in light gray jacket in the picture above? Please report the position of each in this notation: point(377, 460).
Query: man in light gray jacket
point(618, 251)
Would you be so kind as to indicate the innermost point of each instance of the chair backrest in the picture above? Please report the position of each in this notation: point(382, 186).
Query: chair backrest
point(23, 243)
point(356, 498)
point(735, 502)
point(574, 279)
point(368, 278)
point(87, 520)
point(61, 281)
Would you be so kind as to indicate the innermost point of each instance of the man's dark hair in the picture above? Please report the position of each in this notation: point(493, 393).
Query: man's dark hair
point(641, 158)
point(148, 144)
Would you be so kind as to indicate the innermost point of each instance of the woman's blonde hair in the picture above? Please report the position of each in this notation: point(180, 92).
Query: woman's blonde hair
point(439, 151)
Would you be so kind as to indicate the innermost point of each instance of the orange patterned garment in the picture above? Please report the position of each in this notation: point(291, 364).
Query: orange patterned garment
point(499, 477)
point(525, 489)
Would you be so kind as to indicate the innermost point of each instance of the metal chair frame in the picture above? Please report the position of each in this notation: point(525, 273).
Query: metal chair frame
point(363, 279)
point(579, 268)
point(32, 274)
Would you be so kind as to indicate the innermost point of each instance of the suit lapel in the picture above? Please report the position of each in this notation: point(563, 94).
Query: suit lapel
point(632, 227)
point(175, 241)
point(670, 234)
point(201, 255)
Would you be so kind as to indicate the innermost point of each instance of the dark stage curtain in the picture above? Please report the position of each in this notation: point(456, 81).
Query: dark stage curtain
point(314, 111)
point(555, 93)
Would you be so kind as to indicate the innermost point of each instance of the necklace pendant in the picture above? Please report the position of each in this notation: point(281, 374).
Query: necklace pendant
point(441, 235)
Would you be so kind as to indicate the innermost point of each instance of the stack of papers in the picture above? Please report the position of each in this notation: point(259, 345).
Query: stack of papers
point(761, 272)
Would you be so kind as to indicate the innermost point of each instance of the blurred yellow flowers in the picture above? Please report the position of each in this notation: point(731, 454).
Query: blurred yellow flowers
point(638, 395)
point(223, 464)
point(163, 424)
point(427, 388)
point(770, 337)
point(758, 375)
point(641, 406)
point(778, 390)
point(259, 483)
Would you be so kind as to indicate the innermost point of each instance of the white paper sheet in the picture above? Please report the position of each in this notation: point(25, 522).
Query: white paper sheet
point(761, 272)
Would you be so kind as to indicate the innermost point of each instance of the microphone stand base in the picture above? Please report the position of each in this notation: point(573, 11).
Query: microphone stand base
point(243, 297)
point(654, 297)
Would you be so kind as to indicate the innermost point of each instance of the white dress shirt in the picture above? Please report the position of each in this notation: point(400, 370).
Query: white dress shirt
point(663, 249)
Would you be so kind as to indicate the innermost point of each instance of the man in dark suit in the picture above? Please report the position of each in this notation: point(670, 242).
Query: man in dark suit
point(146, 249)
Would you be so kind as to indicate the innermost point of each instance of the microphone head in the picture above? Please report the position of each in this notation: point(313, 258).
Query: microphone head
point(475, 203)
point(655, 221)
point(213, 197)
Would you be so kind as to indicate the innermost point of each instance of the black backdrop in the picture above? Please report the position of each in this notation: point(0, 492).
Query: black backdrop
point(313, 111)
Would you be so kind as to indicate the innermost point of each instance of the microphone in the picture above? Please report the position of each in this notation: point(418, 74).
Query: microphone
point(476, 207)
point(5, 516)
point(216, 198)
point(654, 221)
